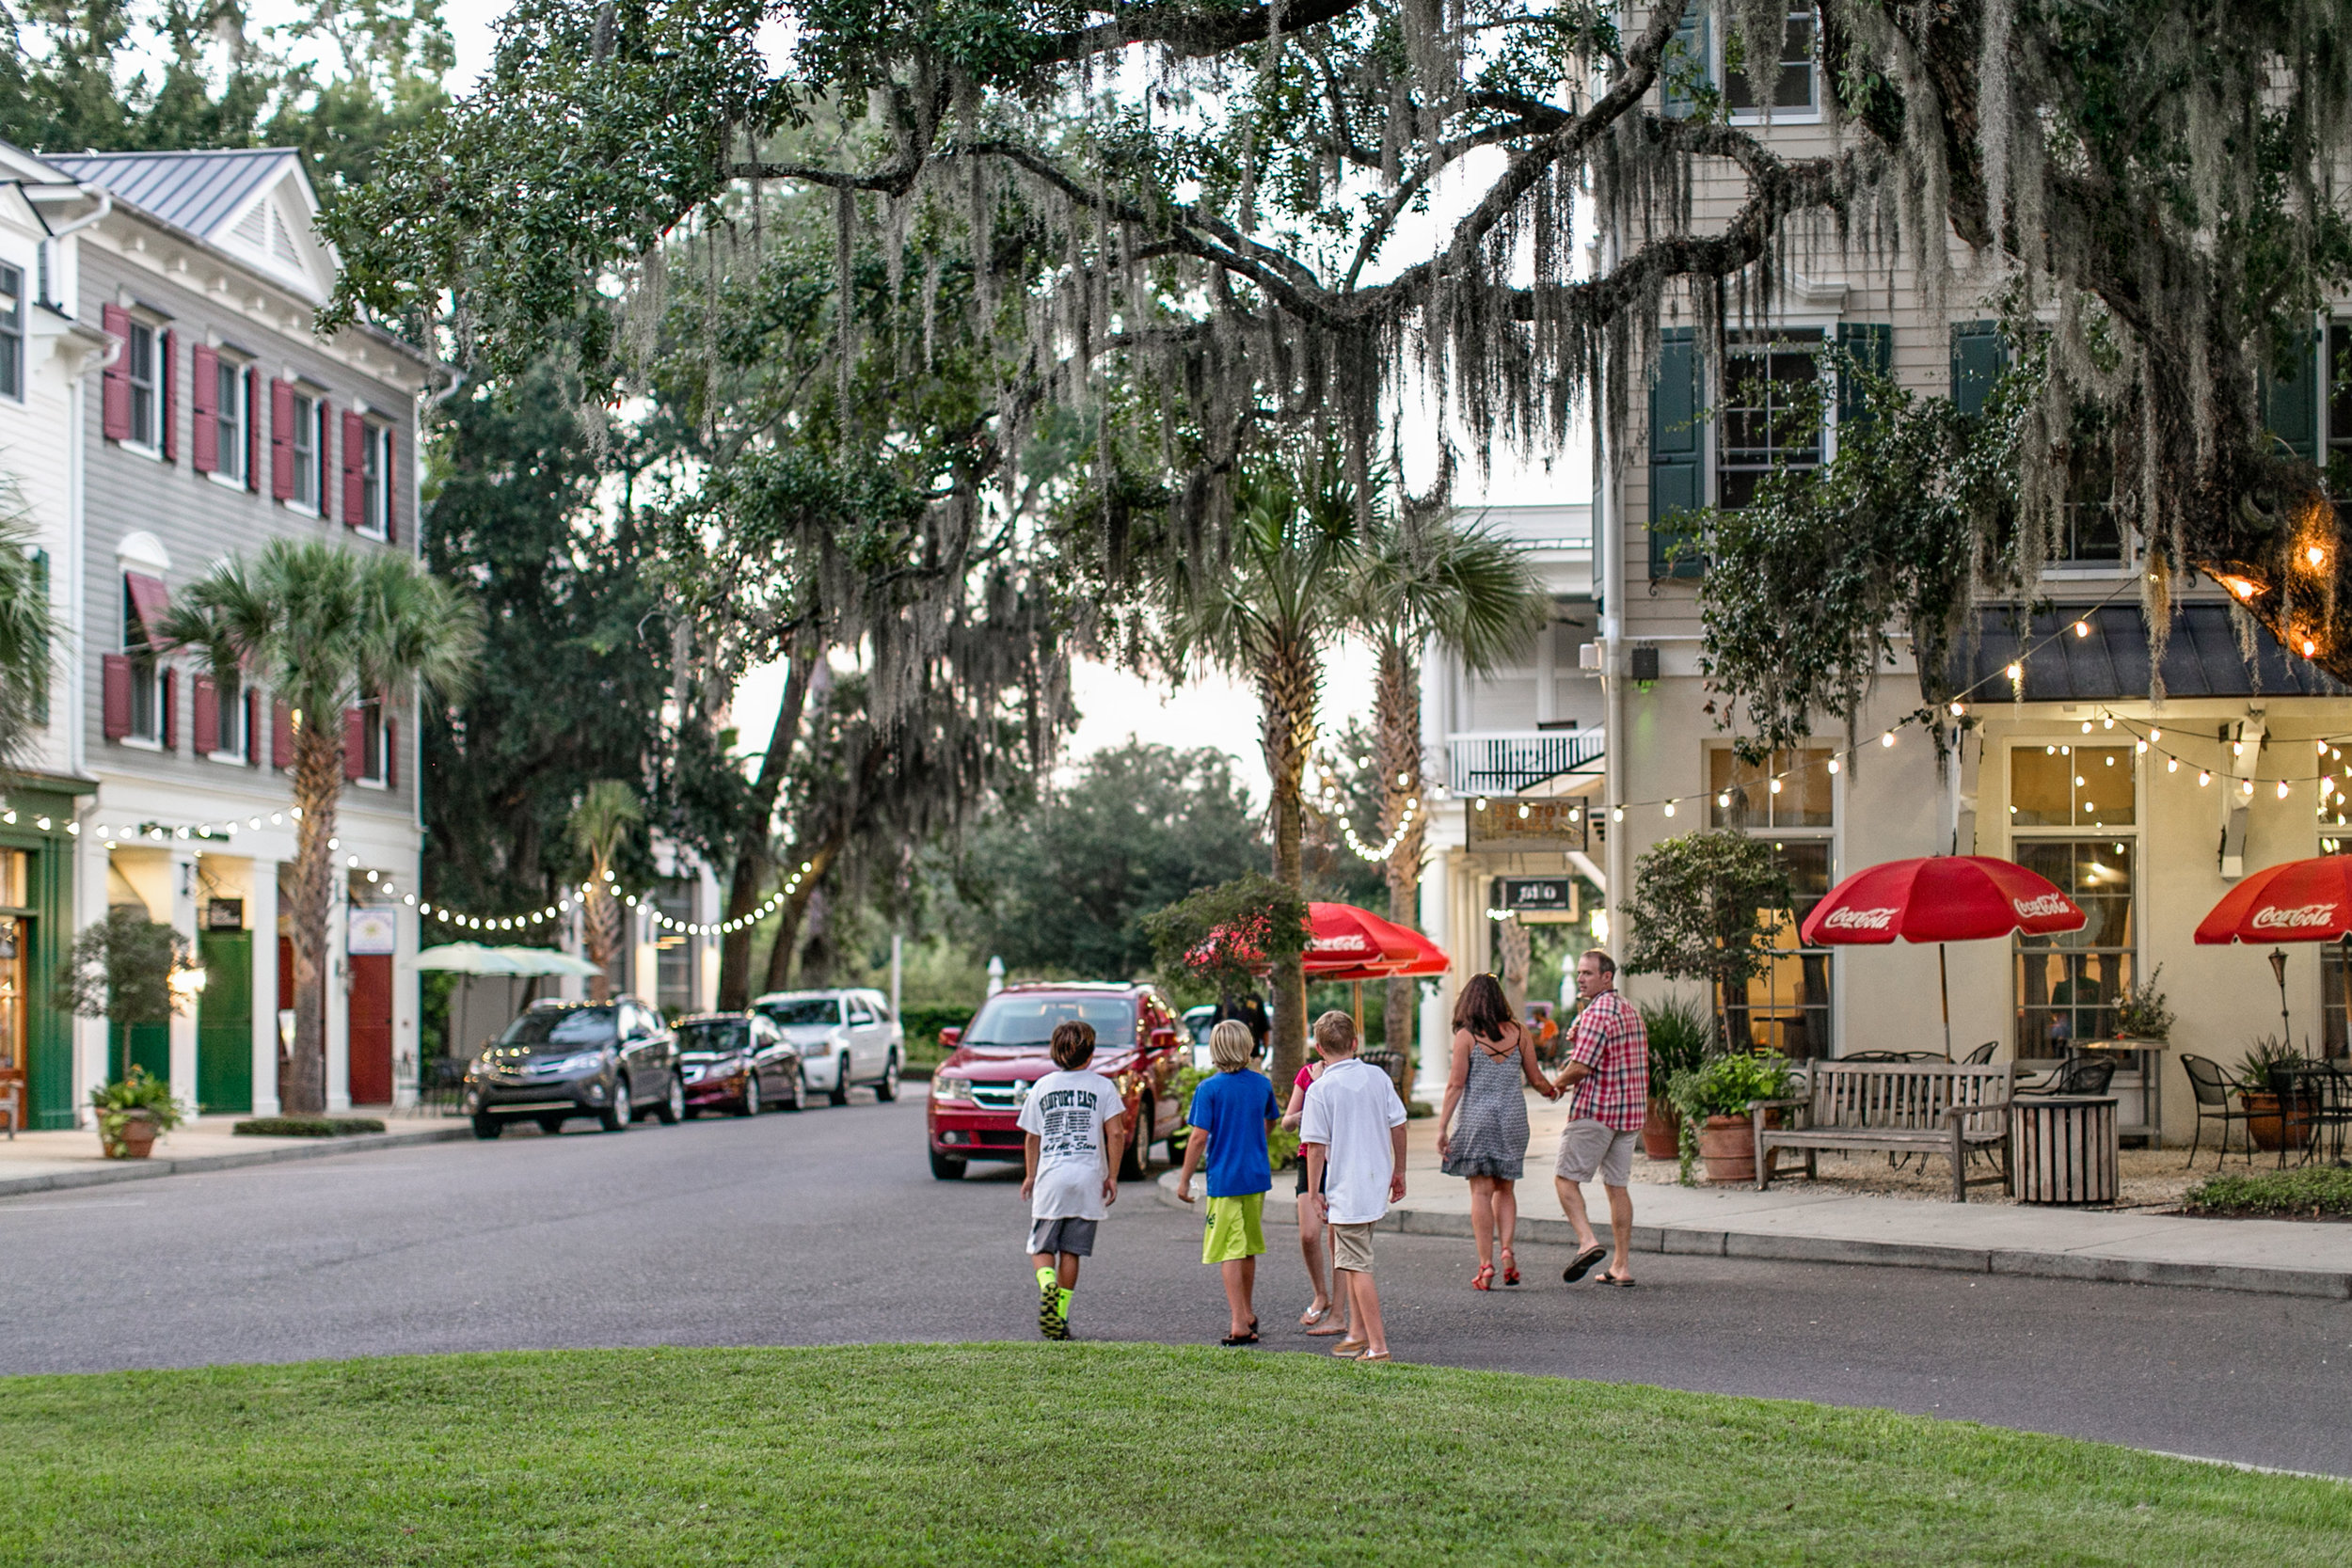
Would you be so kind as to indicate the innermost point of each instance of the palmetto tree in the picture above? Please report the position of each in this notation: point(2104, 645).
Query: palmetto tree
point(24, 628)
point(324, 628)
point(605, 811)
point(1267, 613)
point(1422, 575)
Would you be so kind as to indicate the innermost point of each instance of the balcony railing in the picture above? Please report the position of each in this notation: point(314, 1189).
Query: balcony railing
point(1507, 762)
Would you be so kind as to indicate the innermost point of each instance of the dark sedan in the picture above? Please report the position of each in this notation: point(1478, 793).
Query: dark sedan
point(738, 1062)
point(610, 1060)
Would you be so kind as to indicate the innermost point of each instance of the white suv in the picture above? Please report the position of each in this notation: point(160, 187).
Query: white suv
point(844, 1038)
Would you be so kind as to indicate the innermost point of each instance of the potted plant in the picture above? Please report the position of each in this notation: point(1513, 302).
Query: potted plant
point(133, 1112)
point(2265, 1123)
point(1679, 1032)
point(1713, 1099)
point(2141, 1015)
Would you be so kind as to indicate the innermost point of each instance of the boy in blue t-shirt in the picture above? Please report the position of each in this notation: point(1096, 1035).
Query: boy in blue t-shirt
point(1233, 1116)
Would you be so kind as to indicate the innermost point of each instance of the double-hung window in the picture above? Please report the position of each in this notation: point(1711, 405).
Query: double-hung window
point(147, 672)
point(233, 417)
point(11, 332)
point(1792, 83)
point(373, 761)
point(1790, 801)
point(231, 738)
point(2074, 819)
point(1772, 411)
point(376, 479)
point(309, 450)
point(143, 369)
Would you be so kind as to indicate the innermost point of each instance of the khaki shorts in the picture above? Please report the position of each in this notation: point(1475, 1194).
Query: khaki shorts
point(1351, 1248)
point(1586, 1147)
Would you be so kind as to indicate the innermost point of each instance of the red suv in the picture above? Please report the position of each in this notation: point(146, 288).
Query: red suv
point(977, 1092)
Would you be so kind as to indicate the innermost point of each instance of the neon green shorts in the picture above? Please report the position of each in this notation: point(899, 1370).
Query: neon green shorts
point(1233, 1229)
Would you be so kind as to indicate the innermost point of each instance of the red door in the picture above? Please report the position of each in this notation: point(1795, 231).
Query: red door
point(371, 1028)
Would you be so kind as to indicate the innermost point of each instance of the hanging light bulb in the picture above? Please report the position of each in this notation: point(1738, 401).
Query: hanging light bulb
point(1723, 799)
point(2171, 765)
point(1775, 787)
point(1960, 709)
point(2154, 735)
point(1617, 815)
point(1887, 740)
point(2108, 720)
point(2204, 778)
point(2016, 673)
point(2282, 789)
point(2237, 748)
point(1670, 808)
point(2140, 746)
point(2313, 554)
point(2086, 726)
point(1833, 765)
point(2082, 628)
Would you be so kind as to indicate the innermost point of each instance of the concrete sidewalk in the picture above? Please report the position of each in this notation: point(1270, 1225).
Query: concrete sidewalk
point(45, 1161)
point(1799, 1222)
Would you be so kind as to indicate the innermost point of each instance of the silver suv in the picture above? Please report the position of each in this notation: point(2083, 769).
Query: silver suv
point(843, 1037)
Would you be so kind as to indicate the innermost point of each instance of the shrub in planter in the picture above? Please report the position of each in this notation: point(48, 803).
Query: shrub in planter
point(133, 1112)
point(1712, 1098)
point(305, 1126)
point(2265, 1123)
point(1679, 1032)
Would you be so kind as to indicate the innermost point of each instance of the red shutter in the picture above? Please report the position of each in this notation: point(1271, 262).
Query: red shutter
point(207, 717)
point(252, 751)
point(281, 737)
point(391, 489)
point(392, 755)
point(355, 742)
point(203, 397)
point(167, 406)
point(252, 430)
point(169, 682)
point(115, 400)
point(355, 470)
point(116, 679)
point(281, 453)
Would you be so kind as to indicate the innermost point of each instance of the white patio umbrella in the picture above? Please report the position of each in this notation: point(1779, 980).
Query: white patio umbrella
point(470, 958)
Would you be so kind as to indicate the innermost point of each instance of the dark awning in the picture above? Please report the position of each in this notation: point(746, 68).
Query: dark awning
point(2200, 657)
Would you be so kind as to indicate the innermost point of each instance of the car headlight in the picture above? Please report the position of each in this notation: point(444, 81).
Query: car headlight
point(951, 1089)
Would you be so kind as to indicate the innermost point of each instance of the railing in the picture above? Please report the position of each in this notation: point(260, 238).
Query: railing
point(1506, 762)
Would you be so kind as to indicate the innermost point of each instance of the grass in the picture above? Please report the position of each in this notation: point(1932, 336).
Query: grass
point(306, 1127)
point(1024, 1455)
point(2312, 1190)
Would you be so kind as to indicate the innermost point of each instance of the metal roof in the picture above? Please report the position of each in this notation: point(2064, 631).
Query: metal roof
point(196, 192)
point(2200, 656)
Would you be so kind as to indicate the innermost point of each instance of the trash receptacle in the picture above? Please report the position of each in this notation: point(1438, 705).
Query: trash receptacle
point(2063, 1147)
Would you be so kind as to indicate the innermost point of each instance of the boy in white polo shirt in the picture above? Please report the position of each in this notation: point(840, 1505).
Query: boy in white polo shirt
point(1351, 1133)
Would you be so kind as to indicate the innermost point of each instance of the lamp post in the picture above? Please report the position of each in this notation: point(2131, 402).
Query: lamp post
point(2278, 970)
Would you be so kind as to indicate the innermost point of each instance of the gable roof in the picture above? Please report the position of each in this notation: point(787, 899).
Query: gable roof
point(200, 192)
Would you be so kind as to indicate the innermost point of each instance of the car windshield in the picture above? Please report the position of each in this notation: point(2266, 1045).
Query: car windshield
point(1031, 1019)
point(795, 1012)
point(715, 1035)
point(564, 1026)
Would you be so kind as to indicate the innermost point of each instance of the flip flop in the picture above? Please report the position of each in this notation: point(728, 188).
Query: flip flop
point(1313, 1316)
point(1372, 1356)
point(1606, 1279)
point(1327, 1330)
point(1582, 1263)
point(1249, 1338)
point(1348, 1350)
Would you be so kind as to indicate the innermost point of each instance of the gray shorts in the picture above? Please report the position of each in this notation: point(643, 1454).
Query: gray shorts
point(1586, 1147)
point(1074, 1237)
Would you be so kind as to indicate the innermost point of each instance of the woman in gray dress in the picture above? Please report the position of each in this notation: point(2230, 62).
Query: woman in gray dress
point(1492, 1056)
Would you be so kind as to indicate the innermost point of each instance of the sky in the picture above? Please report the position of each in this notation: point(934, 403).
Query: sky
point(1208, 710)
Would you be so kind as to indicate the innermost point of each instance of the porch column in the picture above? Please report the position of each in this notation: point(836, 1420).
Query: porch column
point(337, 997)
point(90, 1065)
point(1435, 1032)
point(407, 1041)
point(262, 919)
point(182, 919)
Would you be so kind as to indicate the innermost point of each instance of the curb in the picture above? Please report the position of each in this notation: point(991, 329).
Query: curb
point(150, 1170)
point(2254, 1280)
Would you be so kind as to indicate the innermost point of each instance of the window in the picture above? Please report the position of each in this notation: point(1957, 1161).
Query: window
point(147, 673)
point(232, 413)
point(2071, 786)
point(231, 695)
point(2339, 369)
point(373, 757)
point(673, 950)
point(11, 332)
point(143, 369)
point(1793, 76)
point(309, 450)
point(2068, 984)
point(1772, 411)
point(1787, 1006)
point(2088, 534)
point(376, 480)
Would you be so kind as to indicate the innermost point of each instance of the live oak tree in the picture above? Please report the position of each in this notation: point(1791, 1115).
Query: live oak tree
point(1209, 203)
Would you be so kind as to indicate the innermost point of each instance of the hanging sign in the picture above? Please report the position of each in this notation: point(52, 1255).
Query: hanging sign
point(1537, 897)
point(373, 931)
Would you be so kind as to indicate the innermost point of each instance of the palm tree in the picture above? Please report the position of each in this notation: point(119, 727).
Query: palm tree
point(325, 629)
point(1422, 576)
point(24, 628)
point(606, 810)
point(1267, 613)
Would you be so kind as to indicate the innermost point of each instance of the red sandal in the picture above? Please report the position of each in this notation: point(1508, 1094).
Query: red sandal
point(1485, 1279)
point(1510, 1268)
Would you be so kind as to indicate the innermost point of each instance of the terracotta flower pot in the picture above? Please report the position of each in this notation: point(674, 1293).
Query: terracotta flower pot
point(1727, 1146)
point(1661, 1132)
point(136, 1140)
point(2268, 1128)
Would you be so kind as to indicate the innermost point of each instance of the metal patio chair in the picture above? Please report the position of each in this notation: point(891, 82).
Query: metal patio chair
point(2211, 1086)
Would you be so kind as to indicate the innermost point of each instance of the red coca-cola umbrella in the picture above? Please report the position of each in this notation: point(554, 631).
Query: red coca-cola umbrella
point(2307, 900)
point(1940, 898)
point(1345, 942)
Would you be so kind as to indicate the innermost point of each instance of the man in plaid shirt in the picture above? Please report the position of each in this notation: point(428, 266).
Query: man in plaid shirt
point(1609, 1068)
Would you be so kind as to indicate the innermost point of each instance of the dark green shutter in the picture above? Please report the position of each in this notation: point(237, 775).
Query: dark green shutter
point(1869, 345)
point(1678, 480)
point(2291, 402)
point(40, 587)
point(1688, 50)
point(1979, 357)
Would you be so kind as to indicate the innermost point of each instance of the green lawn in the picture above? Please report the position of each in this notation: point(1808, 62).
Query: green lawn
point(1063, 1455)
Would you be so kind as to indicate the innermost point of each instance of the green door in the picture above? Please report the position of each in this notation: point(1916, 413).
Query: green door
point(224, 1024)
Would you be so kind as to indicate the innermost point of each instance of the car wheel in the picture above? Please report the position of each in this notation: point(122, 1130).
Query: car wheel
point(944, 1169)
point(799, 1089)
point(1134, 1164)
point(550, 1125)
point(693, 1111)
point(487, 1128)
point(841, 1082)
point(672, 1107)
point(615, 1116)
point(887, 1090)
point(750, 1105)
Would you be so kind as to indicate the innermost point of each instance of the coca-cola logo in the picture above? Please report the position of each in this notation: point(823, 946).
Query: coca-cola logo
point(2048, 904)
point(2272, 918)
point(1860, 920)
point(1349, 943)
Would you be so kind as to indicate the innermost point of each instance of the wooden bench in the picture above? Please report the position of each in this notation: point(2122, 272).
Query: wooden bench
point(10, 1103)
point(1899, 1107)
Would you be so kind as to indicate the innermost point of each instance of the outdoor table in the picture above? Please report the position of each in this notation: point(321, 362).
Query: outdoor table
point(2063, 1147)
point(2306, 1092)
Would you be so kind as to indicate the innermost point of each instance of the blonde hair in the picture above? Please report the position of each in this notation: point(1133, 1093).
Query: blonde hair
point(1232, 1045)
point(1335, 1035)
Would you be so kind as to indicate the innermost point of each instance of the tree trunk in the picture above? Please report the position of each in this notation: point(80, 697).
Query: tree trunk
point(1517, 953)
point(793, 914)
point(318, 784)
point(600, 933)
point(1288, 685)
point(754, 866)
point(1396, 745)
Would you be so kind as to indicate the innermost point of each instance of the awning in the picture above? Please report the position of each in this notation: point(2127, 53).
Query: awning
point(2200, 656)
point(150, 600)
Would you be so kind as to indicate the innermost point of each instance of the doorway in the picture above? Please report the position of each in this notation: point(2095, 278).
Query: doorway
point(224, 1024)
point(371, 1028)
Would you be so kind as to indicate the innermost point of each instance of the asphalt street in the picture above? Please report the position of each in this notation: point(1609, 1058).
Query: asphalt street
point(826, 1225)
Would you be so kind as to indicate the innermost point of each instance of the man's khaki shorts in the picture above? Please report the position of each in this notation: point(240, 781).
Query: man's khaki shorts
point(1351, 1248)
point(1589, 1146)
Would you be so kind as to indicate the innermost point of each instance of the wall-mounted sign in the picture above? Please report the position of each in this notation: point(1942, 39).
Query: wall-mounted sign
point(374, 931)
point(1537, 898)
point(225, 914)
point(1513, 824)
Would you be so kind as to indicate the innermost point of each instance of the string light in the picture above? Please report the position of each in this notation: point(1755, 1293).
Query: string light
point(2082, 628)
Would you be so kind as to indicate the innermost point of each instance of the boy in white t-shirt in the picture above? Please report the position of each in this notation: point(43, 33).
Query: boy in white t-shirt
point(1076, 1123)
point(1352, 1132)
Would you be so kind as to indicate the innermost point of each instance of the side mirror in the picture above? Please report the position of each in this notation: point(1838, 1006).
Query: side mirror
point(1163, 1039)
point(950, 1038)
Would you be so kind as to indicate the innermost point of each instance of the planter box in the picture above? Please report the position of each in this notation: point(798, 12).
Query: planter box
point(136, 1141)
point(1727, 1146)
point(1661, 1132)
point(2268, 1128)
